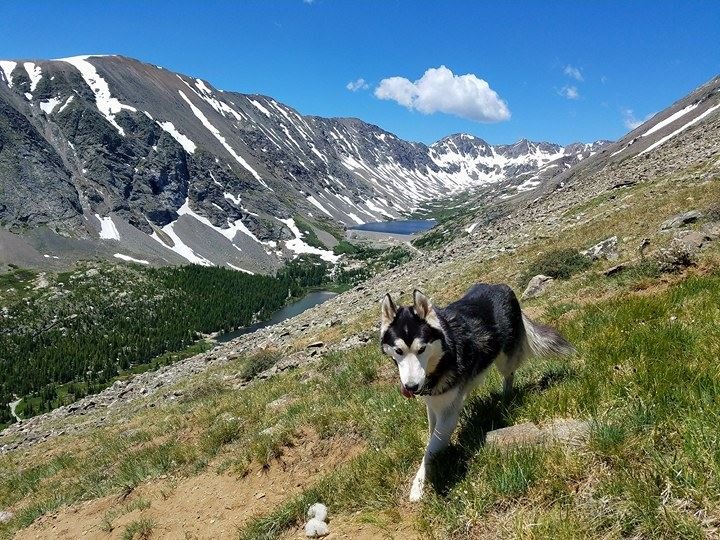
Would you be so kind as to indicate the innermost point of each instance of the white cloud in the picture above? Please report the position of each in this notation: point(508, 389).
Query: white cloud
point(631, 122)
point(359, 84)
point(603, 79)
point(569, 92)
point(573, 73)
point(440, 90)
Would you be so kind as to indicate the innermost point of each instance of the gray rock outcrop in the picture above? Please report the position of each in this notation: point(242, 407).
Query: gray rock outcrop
point(537, 286)
point(605, 249)
point(680, 220)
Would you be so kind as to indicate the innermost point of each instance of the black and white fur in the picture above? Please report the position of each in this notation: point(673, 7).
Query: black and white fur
point(443, 353)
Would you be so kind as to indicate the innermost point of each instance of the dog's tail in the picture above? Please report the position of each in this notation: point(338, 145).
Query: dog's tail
point(544, 340)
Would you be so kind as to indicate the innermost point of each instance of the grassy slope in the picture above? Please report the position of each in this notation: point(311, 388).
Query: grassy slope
point(645, 376)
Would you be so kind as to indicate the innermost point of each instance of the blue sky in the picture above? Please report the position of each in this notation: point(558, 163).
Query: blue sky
point(565, 71)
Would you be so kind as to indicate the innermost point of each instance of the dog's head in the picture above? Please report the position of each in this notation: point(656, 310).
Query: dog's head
point(413, 337)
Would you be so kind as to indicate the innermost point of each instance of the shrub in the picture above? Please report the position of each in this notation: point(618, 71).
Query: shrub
point(258, 363)
point(558, 264)
point(344, 247)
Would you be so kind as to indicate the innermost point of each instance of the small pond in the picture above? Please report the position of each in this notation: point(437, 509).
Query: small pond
point(311, 299)
point(406, 226)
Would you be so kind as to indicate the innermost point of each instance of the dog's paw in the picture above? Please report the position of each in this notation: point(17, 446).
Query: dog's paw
point(416, 491)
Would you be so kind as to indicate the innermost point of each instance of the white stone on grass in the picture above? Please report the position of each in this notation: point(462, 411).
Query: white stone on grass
point(316, 528)
point(319, 511)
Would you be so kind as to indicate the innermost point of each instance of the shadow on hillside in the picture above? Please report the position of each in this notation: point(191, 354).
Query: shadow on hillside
point(482, 415)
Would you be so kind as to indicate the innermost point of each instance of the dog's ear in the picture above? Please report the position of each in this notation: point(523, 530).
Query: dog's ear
point(388, 311)
point(422, 304)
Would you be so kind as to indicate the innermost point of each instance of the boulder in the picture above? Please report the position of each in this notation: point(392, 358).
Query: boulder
point(568, 431)
point(692, 240)
point(5, 516)
point(527, 433)
point(537, 286)
point(711, 231)
point(280, 403)
point(679, 220)
point(623, 183)
point(606, 249)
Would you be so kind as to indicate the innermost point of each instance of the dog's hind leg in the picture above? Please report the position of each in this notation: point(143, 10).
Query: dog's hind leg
point(445, 410)
point(507, 365)
point(508, 385)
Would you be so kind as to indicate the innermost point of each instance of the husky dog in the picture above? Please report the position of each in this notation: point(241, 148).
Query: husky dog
point(443, 353)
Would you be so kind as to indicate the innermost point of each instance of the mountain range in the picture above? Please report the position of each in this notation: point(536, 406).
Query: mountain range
point(106, 156)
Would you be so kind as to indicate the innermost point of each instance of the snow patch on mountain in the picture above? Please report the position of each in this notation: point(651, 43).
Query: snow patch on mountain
point(216, 133)
point(108, 230)
point(68, 102)
point(106, 104)
point(233, 198)
point(184, 141)
point(7, 68)
point(240, 269)
point(355, 218)
point(299, 246)
point(312, 200)
point(260, 107)
point(680, 130)
point(228, 233)
point(670, 119)
point(128, 258)
point(49, 105)
point(179, 246)
point(35, 73)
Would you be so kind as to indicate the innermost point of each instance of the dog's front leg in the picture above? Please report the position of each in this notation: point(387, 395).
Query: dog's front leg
point(442, 426)
point(432, 420)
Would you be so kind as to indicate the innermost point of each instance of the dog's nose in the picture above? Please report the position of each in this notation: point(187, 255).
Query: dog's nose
point(412, 387)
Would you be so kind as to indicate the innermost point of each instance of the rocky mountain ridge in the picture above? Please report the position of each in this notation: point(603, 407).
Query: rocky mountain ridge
point(107, 156)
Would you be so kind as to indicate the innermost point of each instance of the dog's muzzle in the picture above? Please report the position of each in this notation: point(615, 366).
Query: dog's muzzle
point(408, 393)
point(405, 392)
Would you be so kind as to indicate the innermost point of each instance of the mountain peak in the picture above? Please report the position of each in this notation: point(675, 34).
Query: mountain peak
point(163, 167)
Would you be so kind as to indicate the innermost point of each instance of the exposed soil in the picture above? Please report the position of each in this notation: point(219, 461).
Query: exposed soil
point(357, 527)
point(209, 505)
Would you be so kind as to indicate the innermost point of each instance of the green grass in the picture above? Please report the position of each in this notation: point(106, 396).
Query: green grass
point(557, 263)
point(140, 529)
point(645, 377)
point(16, 278)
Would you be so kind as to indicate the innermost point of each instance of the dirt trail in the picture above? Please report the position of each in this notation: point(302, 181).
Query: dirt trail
point(206, 506)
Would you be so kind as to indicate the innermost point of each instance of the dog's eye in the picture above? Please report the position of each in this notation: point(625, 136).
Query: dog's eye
point(398, 351)
point(421, 349)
